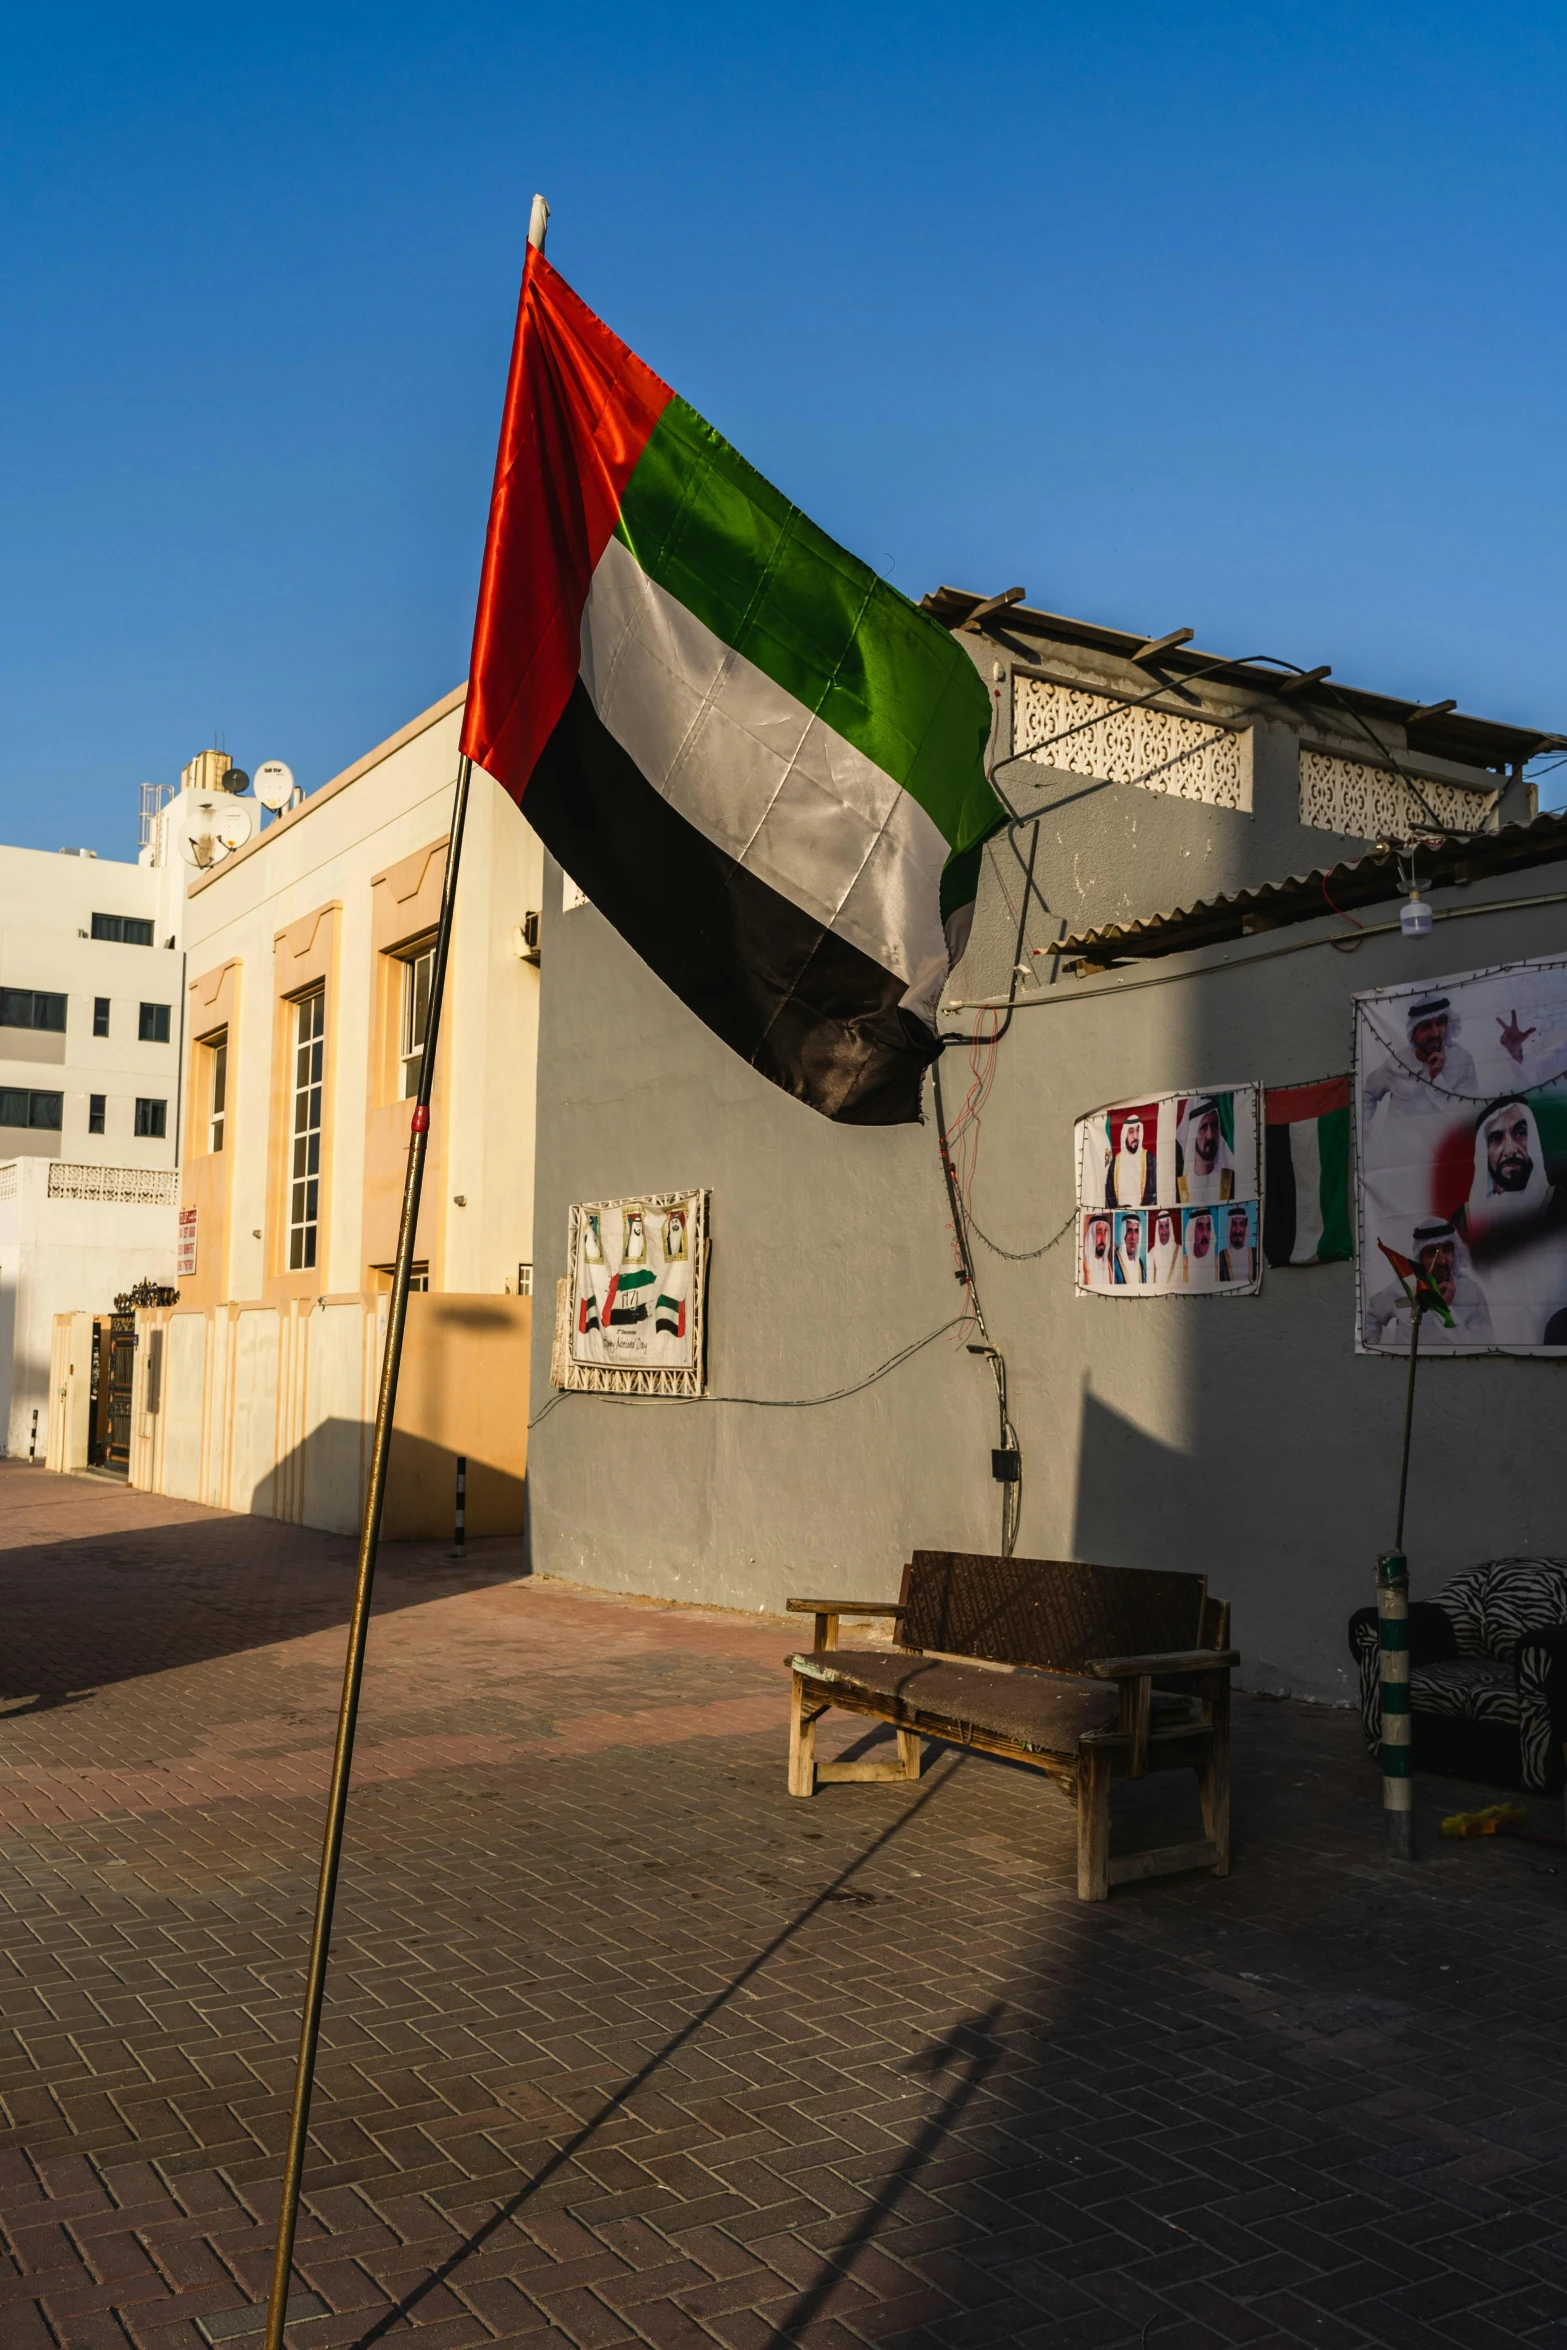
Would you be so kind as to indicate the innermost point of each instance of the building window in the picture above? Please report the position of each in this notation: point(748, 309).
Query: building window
point(217, 1088)
point(416, 1017)
point(96, 1103)
point(19, 1106)
point(418, 1276)
point(100, 1015)
point(153, 1025)
point(524, 1280)
point(30, 1007)
point(152, 1119)
point(304, 1199)
point(128, 930)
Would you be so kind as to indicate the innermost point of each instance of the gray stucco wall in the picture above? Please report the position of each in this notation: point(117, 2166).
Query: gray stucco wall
point(1241, 1437)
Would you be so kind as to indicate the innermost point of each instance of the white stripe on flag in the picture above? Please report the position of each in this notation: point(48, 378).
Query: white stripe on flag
point(1306, 1157)
point(763, 779)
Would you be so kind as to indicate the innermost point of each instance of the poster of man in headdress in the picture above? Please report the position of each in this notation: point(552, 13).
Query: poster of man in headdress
point(634, 1293)
point(1238, 1244)
point(1462, 1149)
point(1141, 1165)
point(1164, 1247)
point(1096, 1266)
point(1130, 1266)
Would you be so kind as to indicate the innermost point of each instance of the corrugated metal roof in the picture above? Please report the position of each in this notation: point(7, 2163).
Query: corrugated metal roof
point(1327, 889)
point(1448, 734)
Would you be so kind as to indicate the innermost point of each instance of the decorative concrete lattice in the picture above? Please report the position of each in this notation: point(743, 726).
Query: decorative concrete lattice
point(1372, 803)
point(1190, 758)
point(138, 1187)
point(8, 1180)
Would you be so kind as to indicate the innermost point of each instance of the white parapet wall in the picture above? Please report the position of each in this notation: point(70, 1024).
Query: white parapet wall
point(73, 1236)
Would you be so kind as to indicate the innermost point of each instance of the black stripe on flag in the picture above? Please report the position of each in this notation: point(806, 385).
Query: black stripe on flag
point(805, 1008)
point(1278, 1210)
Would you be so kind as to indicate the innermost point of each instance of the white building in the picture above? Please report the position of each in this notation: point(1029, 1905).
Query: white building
point(92, 988)
point(309, 954)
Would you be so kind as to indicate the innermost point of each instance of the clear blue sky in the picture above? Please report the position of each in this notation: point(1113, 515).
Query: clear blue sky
point(1248, 320)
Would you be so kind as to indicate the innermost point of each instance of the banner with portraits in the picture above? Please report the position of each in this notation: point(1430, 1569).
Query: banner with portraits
point(1461, 1144)
point(1169, 1200)
point(632, 1302)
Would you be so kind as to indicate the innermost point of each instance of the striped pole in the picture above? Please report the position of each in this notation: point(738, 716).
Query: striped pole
point(461, 1549)
point(1398, 1787)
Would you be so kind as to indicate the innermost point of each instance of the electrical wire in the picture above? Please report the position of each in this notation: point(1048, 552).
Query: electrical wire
point(774, 1403)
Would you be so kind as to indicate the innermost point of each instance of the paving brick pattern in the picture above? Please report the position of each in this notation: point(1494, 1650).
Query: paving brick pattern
point(623, 2046)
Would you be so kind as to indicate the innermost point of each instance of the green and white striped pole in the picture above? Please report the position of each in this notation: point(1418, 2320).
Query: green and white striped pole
point(1398, 1786)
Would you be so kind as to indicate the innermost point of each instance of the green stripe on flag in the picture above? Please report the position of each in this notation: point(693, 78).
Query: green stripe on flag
point(1333, 1191)
point(709, 530)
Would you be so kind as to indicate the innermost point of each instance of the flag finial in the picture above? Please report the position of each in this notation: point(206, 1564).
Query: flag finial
point(538, 223)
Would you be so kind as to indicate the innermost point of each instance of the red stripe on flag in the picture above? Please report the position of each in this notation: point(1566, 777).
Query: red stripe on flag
point(1287, 1105)
point(579, 410)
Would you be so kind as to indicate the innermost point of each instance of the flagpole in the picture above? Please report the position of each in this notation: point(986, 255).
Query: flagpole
point(369, 1544)
point(364, 1581)
point(1398, 1787)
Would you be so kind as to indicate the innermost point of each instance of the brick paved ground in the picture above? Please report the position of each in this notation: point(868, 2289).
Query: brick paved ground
point(622, 2045)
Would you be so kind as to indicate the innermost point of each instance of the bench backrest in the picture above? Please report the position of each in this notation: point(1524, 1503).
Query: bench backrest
point(1052, 1613)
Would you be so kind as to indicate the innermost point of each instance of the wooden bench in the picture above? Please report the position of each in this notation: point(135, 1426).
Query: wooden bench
point(1088, 1673)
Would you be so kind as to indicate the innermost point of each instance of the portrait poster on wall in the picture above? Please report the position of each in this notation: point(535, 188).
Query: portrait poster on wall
point(634, 1295)
point(1169, 1198)
point(1461, 1145)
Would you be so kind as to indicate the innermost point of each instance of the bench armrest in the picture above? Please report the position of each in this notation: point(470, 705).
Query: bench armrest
point(845, 1607)
point(1137, 1674)
point(1182, 1660)
point(827, 1612)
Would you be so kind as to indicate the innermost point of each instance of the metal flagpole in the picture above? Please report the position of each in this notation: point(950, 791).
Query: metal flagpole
point(1398, 1787)
point(359, 1619)
point(369, 1543)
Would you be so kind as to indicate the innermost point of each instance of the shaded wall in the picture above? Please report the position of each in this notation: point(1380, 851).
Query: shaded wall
point(1239, 1437)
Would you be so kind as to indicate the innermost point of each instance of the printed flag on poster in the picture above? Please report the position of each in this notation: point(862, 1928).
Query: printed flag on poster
point(1461, 1157)
point(763, 765)
point(1169, 1201)
point(1306, 1221)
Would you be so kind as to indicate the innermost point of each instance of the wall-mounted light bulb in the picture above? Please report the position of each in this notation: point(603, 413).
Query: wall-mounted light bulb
point(1415, 919)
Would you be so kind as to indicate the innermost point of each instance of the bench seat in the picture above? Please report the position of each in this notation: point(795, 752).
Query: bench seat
point(1038, 1713)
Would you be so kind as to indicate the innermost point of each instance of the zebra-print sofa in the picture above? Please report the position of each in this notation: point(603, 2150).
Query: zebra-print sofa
point(1487, 1674)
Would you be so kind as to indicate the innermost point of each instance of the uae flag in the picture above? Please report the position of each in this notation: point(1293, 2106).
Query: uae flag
point(1305, 1219)
point(762, 764)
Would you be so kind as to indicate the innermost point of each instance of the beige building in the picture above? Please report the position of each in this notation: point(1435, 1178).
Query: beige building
point(308, 957)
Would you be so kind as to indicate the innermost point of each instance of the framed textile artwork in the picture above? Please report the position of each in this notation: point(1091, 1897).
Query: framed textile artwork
point(634, 1296)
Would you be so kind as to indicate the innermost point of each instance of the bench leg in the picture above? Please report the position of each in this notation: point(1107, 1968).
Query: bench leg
point(911, 1747)
point(1093, 1825)
point(1213, 1785)
point(803, 1718)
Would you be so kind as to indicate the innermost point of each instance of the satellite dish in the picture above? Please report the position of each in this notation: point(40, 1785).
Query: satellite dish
point(234, 779)
point(274, 785)
point(210, 826)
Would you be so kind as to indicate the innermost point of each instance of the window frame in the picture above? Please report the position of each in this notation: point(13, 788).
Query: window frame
point(97, 1112)
point(124, 930)
point(50, 999)
point(411, 1013)
point(102, 1005)
point(154, 1023)
point(306, 1093)
point(215, 1075)
point(145, 1129)
point(32, 1096)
